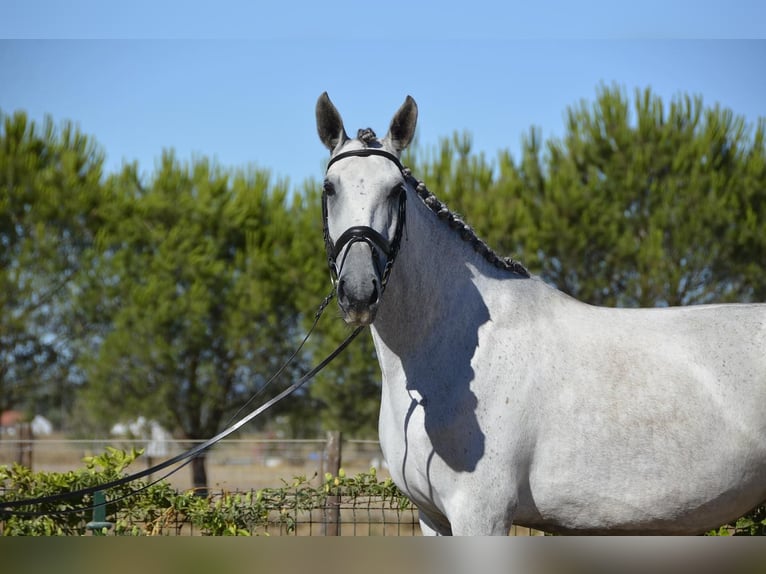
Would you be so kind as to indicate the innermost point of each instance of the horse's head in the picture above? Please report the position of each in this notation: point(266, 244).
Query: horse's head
point(363, 206)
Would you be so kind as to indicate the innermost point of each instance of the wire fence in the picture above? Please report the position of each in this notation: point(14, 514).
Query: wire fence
point(292, 474)
point(355, 516)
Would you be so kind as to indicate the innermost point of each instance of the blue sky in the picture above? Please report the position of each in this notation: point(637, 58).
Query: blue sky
point(239, 84)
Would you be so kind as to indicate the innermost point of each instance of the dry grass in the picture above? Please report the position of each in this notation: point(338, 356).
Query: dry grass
point(242, 464)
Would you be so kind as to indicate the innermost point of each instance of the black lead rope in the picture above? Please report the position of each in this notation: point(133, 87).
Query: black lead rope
point(185, 456)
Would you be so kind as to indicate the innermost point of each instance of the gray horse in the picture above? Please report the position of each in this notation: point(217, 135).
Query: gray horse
point(506, 401)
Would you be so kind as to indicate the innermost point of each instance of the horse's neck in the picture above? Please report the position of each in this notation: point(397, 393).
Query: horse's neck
point(431, 283)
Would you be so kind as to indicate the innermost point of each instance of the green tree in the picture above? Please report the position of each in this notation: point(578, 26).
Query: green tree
point(197, 290)
point(647, 208)
point(50, 193)
point(637, 205)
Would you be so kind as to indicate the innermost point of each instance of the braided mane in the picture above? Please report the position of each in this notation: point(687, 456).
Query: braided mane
point(367, 137)
point(465, 231)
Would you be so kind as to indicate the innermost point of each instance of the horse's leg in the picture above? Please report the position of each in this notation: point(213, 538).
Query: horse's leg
point(481, 526)
point(481, 518)
point(430, 527)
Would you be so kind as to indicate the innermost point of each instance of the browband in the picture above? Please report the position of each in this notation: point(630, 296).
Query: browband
point(365, 152)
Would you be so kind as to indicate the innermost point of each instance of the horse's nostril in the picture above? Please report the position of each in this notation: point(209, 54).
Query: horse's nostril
point(341, 290)
point(359, 298)
point(375, 292)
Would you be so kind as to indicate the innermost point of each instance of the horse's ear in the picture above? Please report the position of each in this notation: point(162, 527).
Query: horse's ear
point(329, 123)
point(402, 128)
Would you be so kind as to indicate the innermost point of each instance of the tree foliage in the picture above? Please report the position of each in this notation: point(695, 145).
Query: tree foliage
point(197, 270)
point(49, 198)
point(638, 204)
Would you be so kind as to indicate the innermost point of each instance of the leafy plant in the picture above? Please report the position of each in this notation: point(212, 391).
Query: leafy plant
point(70, 516)
point(142, 509)
point(751, 524)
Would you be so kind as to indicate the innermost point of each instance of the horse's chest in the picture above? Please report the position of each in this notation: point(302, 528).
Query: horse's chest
point(409, 452)
point(430, 441)
point(433, 420)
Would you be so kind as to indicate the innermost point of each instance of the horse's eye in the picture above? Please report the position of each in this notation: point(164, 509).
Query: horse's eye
point(328, 187)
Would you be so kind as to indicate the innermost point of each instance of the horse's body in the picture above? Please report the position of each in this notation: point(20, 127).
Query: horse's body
point(505, 400)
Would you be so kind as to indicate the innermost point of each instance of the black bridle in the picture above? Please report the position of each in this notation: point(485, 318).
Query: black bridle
point(364, 233)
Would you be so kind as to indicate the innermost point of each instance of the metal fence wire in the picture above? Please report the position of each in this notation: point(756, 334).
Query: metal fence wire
point(235, 513)
point(340, 516)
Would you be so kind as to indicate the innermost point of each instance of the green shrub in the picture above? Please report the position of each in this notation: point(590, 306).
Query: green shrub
point(751, 524)
point(142, 509)
point(69, 517)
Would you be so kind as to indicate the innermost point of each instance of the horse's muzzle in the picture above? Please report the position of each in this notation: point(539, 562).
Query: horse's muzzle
point(358, 306)
point(358, 297)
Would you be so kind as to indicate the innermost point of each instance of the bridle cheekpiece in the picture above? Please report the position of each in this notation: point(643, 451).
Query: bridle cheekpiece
point(364, 233)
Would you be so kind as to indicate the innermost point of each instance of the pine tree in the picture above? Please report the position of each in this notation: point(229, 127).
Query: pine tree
point(197, 274)
point(637, 205)
point(50, 193)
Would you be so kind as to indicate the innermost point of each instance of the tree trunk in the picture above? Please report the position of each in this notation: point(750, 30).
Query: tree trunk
point(199, 475)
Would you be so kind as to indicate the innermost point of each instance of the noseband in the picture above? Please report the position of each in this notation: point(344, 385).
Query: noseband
point(364, 233)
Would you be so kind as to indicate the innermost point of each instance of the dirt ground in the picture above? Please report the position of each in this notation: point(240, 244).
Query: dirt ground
point(238, 464)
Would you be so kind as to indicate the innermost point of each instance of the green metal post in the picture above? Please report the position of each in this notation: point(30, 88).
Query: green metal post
point(99, 522)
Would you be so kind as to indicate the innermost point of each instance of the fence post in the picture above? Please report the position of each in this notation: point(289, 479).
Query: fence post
point(332, 507)
point(24, 451)
point(99, 522)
